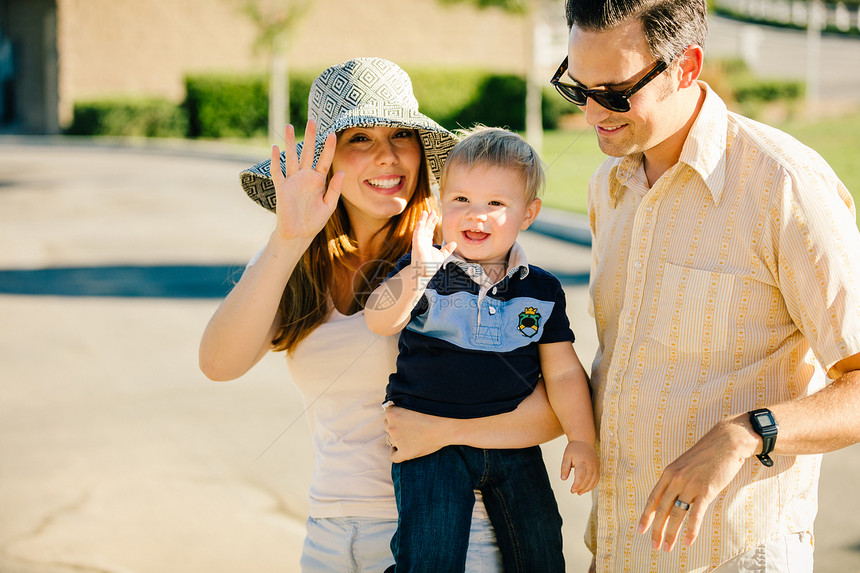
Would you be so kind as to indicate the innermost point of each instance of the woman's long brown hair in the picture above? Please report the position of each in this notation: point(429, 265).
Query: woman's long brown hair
point(305, 301)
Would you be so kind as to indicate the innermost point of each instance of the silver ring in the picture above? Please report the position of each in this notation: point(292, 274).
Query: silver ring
point(681, 505)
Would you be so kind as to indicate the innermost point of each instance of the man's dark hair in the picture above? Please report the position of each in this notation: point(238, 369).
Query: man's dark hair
point(670, 25)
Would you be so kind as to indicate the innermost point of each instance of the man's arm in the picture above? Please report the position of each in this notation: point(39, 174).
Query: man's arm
point(821, 422)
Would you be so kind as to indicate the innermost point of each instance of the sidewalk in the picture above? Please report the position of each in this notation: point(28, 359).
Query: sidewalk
point(118, 456)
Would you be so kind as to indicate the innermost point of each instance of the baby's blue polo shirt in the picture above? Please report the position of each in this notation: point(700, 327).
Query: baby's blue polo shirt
point(470, 348)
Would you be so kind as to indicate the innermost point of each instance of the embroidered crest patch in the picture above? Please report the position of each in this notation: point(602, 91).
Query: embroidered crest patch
point(529, 321)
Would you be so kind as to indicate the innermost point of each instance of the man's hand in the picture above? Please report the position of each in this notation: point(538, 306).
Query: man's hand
point(696, 478)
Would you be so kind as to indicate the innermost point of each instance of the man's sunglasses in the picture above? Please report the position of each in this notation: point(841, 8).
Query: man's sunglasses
point(611, 100)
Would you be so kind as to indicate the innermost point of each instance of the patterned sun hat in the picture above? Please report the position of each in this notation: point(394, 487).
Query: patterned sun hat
point(364, 92)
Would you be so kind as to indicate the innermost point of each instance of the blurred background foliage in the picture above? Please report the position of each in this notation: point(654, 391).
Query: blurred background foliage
point(131, 117)
point(236, 106)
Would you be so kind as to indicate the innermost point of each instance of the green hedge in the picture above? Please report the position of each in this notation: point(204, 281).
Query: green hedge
point(143, 117)
point(237, 106)
point(767, 91)
point(736, 84)
point(220, 105)
point(461, 98)
point(226, 106)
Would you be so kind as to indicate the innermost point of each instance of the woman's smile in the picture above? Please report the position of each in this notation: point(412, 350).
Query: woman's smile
point(389, 184)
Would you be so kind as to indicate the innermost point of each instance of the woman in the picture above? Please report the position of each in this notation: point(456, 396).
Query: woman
point(345, 211)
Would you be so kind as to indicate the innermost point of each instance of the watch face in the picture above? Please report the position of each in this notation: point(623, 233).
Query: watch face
point(764, 419)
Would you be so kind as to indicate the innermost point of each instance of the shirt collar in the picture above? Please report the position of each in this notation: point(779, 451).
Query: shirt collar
point(705, 148)
point(621, 174)
point(516, 262)
point(704, 151)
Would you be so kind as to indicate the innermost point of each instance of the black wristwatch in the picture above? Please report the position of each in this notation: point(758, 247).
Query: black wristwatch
point(764, 424)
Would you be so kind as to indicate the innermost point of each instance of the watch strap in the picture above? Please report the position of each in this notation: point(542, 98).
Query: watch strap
point(763, 457)
point(768, 438)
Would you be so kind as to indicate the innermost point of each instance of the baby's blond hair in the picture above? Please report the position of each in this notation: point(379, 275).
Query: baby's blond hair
point(497, 147)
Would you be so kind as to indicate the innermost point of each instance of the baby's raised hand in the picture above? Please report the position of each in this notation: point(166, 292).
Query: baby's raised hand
point(583, 458)
point(425, 257)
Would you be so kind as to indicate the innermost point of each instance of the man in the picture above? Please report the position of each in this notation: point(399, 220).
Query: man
point(726, 290)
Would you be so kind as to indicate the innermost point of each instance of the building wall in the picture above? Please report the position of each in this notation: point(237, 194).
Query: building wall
point(123, 47)
point(144, 47)
point(30, 25)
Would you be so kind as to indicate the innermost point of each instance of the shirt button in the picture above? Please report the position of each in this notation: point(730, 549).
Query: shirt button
point(637, 265)
point(492, 310)
point(495, 290)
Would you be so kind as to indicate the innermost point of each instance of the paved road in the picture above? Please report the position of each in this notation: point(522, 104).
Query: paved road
point(117, 455)
point(781, 53)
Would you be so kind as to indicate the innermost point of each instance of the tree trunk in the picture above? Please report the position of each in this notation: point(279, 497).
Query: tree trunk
point(279, 94)
point(534, 122)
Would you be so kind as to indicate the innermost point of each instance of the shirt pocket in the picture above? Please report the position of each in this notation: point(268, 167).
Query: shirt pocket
point(694, 312)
